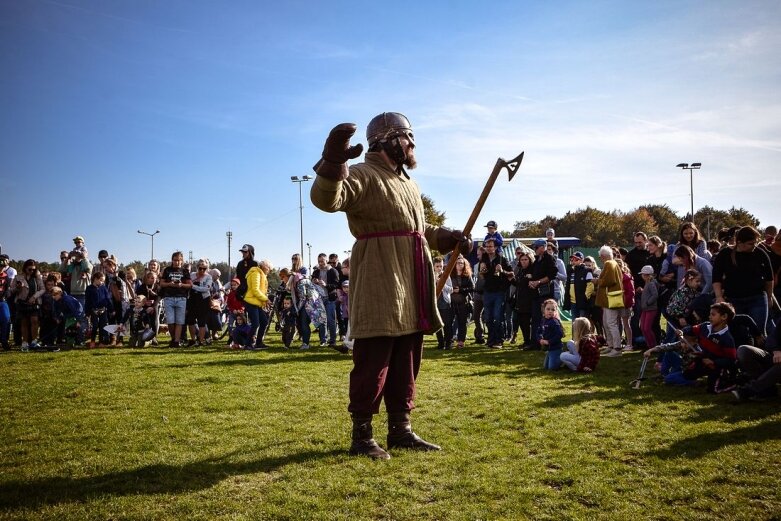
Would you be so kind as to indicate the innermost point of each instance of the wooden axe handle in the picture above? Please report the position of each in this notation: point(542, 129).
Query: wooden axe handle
point(512, 167)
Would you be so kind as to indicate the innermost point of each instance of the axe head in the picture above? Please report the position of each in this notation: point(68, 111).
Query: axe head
point(513, 165)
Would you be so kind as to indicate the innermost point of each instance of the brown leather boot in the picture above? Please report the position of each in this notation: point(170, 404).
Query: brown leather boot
point(363, 443)
point(400, 434)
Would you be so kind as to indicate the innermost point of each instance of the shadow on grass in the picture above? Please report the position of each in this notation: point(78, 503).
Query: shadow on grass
point(705, 443)
point(262, 359)
point(245, 358)
point(158, 351)
point(151, 479)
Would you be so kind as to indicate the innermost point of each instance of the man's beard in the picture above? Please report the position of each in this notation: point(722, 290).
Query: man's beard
point(410, 161)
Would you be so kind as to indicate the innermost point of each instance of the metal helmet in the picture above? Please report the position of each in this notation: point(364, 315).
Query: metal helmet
point(388, 125)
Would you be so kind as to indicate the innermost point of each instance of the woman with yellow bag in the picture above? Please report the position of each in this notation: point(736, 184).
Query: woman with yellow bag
point(610, 297)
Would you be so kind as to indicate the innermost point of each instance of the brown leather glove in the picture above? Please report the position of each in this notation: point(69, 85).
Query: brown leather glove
point(448, 239)
point(337, 151)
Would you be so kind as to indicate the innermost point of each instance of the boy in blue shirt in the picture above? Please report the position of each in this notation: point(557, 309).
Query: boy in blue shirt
point(494, 234)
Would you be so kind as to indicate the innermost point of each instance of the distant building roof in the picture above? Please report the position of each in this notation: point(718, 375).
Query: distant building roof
point(564, 242)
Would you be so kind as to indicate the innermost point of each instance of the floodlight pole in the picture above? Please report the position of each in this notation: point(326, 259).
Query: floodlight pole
point(691, 168)
point(152, 235)
point(300, 181)
point(229, 235)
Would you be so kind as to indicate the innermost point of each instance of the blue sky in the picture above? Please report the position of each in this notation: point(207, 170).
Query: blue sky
point(190, 117)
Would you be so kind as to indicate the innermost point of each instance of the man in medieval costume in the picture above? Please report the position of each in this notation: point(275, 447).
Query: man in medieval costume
point(392, 285)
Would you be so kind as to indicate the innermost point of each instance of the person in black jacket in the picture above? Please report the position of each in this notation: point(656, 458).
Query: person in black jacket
point(242, 268)
point(326, 276)
point(763, 366)
point(743, 276)
point(524, 298)
point(461, 296)
point(544, 271)
point(497, 273)
point(636, 258)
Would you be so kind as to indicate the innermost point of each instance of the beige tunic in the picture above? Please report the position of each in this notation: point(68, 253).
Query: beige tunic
point(383, 294)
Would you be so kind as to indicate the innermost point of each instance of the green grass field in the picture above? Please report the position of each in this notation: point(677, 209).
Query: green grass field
point(212, 433)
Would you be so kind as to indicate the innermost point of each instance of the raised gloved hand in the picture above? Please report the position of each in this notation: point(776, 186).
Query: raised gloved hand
point(337, 151)
point(448, 239)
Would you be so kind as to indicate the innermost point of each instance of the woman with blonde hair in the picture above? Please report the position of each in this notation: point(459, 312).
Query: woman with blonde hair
point(296, 264)
point(132, 280)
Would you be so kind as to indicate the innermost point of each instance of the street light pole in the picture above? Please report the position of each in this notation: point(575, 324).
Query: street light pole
point(300, 181)
point(152, 235)
point(690, 168)
point(229, 235)
point(310, 255)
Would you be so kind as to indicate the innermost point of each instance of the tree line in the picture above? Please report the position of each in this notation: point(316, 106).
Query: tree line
point(595, 227)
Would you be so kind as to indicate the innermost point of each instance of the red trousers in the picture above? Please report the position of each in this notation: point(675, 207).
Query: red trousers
point(385, 367)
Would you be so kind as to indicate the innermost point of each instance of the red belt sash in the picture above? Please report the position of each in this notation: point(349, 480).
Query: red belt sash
point(420, 267)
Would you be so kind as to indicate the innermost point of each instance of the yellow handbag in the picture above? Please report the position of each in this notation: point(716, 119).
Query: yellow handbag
point(615, 299)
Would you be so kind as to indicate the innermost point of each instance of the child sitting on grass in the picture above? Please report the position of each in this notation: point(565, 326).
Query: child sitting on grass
point(583, 350)
point(714, 351)
point(550, 334)
point(241, 336)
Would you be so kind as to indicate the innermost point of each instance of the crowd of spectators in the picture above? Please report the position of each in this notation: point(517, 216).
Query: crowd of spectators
point(619, 303)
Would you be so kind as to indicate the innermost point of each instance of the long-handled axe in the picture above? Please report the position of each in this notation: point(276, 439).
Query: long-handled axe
point(637, 382)
point(512, 167)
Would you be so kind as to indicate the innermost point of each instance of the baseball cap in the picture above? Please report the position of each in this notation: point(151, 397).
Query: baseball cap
point(539, 242)
point(78, 238)
point(246, 247)
point(578, 254)
point(647, 270)
point(491, 224)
